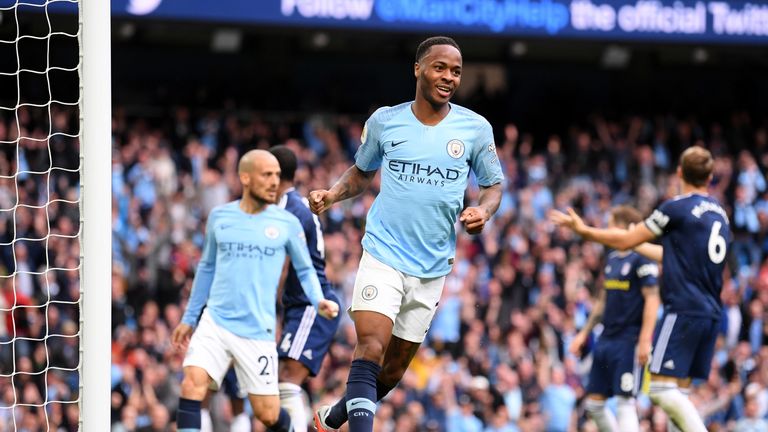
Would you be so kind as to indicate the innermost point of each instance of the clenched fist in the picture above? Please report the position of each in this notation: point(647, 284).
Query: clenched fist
point(328, 309)
point(474, 219)
point(320, 201)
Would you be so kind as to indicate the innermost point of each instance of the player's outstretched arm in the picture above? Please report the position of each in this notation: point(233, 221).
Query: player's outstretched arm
point(351, 184)
point(615, 238)
point(474, 218)
point(651, 251)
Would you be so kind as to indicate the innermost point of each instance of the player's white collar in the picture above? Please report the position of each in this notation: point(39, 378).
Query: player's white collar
point(620, 254)
point(688, 195)
point(284, 199)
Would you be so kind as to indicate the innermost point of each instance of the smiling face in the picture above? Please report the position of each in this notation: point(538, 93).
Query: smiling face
point(438, 74)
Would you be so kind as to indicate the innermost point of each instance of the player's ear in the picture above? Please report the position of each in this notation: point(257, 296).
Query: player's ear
point(416, 68)
point(245, 179)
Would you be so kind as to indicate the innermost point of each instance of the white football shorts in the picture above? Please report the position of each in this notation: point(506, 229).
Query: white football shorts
point(214, 348)
point(409, 301)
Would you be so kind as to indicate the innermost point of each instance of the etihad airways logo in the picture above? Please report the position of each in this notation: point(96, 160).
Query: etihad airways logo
point(245, 250)
point(414, 172)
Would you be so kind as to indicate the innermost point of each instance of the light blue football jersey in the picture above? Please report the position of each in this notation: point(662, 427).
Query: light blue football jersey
point(424, 173)
point(239, 272)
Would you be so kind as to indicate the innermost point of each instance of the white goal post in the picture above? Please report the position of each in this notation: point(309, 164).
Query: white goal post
point(96, 214)
point(55, 215)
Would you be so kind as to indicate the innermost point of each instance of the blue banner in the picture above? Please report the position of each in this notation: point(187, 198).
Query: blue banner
point(648, 20)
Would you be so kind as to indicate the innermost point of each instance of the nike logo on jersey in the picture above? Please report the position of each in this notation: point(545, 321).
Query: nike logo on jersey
point(397, 143)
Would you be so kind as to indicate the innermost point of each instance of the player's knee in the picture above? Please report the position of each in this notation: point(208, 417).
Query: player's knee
point(370, 348)
point(194, 387)
point(268, 415)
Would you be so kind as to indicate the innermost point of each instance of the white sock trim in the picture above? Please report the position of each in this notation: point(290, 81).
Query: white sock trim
point(289, 388)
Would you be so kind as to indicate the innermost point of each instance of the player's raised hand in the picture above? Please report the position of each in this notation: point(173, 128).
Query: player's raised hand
point(474, 219)
point(577, 343)
point(328, 309)
point(181, 335)
point(320, 201)
point(570, 220)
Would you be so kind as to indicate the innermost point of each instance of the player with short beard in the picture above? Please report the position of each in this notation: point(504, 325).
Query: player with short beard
point(246, 243)
point(426, 149)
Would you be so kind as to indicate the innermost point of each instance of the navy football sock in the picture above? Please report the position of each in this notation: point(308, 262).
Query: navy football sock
point(382, 390)
point(338, 413)
point(188, 416)
point(361, 395)
point(337, 416)
point(283, 423)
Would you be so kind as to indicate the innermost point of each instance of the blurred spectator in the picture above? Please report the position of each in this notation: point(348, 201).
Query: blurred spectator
point(751, 421)
point(558, 400)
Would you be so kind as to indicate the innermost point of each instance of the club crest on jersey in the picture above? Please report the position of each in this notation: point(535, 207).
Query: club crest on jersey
point(625, 268)
point(455, 148)
point(271, 233)
point(370, 292)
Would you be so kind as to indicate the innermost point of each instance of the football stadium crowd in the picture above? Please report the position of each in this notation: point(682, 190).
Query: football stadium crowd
point(496, 357)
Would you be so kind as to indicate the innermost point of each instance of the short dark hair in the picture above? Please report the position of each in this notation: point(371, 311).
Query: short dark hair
point(428, 43)
point(624, 215)
point(287, 160)
point(696, 164)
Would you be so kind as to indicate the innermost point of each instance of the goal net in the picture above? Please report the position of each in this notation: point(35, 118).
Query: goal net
point(44, 321)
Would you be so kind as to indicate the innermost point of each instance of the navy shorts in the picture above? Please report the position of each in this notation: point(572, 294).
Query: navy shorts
point(615, 371)
point(684, 346)
point(307, 336)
